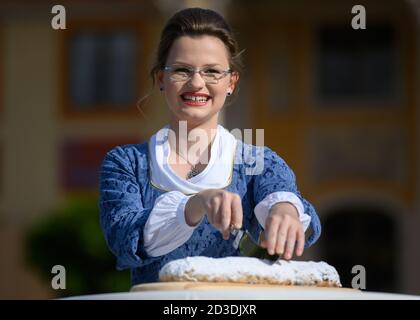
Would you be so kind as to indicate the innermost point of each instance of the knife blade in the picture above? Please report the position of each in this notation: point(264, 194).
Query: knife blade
point(248, 247)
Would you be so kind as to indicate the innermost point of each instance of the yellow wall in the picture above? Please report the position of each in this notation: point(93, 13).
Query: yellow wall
point(32, 123)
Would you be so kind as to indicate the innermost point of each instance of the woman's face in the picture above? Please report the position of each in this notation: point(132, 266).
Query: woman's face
point(194, 100)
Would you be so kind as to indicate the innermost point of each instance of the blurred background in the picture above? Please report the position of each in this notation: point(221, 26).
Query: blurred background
point(341, 106)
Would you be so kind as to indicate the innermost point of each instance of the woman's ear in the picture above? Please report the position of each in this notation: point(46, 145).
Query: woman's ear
point(159, 79)
point(234, 78)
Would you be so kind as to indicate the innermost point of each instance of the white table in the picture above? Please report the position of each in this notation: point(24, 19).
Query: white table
point(296, 293)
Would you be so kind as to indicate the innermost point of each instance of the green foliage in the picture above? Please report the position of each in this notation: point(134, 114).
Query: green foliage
point(71, 236)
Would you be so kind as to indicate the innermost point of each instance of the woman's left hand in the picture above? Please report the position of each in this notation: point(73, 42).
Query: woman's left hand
point(283, 231)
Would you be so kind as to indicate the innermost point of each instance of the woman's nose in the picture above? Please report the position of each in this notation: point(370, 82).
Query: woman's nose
point(196, 81)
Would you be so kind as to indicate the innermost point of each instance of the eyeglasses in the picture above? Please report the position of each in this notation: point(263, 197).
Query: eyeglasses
point(211, 75)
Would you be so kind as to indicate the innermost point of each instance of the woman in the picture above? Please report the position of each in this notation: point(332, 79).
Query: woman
point(181, 193)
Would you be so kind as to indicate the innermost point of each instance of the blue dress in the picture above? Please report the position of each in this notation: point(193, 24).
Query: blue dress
point(127, 198)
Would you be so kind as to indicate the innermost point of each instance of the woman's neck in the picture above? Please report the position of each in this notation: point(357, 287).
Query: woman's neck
point(192, 141)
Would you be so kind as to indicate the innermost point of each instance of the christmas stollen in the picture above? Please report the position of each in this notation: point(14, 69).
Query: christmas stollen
point(250, 271)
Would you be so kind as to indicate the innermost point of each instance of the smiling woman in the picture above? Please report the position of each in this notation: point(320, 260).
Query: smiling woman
point(183, 192)
point(199, 76)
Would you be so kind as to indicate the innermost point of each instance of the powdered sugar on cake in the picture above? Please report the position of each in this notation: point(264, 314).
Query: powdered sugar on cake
point(251, 270)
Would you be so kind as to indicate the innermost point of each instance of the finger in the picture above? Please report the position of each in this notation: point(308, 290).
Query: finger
point(262, 239)
point(300, 242)
point(212, 212)
point(290, 243)
point(281, 237)
point(237, 213)
point(225, 217)
point(272, 226)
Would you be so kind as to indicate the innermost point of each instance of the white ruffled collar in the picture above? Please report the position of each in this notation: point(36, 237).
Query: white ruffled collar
point(217, 174)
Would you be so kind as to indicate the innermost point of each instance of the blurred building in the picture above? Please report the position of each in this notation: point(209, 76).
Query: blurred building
point(339, 105)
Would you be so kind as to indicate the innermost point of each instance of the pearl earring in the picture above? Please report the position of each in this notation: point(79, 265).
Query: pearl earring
point(229, 93)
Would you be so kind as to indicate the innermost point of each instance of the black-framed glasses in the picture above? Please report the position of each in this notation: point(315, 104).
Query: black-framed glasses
point(210, 75)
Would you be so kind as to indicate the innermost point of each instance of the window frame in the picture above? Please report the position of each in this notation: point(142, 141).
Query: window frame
point(139, 29)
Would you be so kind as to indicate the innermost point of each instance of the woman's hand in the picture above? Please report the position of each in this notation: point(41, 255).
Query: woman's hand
point(283, 230)
point(223, 209)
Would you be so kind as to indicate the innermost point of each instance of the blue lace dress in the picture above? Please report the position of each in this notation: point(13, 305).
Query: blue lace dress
point(127, 198)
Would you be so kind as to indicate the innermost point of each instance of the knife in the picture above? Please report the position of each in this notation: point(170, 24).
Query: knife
point(248, 247)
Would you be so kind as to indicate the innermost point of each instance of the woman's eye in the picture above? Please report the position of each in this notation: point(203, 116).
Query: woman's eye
point(212, 71)
point(182, 70)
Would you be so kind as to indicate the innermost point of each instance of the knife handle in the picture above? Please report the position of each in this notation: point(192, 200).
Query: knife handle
point(237, 233)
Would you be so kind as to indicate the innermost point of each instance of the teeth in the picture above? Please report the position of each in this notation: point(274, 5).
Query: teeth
point(195, 98)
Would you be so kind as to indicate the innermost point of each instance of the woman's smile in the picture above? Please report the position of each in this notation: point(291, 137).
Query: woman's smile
point(192, 99)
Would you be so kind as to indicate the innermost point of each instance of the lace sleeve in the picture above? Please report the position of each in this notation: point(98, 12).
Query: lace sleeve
point(277, 176)
point(122, 214)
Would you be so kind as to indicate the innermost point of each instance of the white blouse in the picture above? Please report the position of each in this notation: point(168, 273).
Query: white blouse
point(166, 229)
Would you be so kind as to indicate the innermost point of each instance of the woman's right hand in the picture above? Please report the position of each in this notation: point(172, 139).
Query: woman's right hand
point(223, 209)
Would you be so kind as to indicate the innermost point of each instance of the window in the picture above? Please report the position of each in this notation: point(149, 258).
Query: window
point(81, 162)
point(104, 68)
point(362, 235)
point(357, 66)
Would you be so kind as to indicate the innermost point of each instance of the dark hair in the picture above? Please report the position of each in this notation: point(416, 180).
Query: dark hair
point(195, 22)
